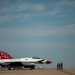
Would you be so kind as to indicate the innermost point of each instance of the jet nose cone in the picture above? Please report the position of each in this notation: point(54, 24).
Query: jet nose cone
point(48, 62)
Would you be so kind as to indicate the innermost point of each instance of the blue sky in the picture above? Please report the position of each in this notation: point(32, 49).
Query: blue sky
point(43, 28)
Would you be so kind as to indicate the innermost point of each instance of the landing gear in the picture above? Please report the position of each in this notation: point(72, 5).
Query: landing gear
point(23, 67)
point(32, 67)
point(0, 66)
point(29, 67)
point(11, 68)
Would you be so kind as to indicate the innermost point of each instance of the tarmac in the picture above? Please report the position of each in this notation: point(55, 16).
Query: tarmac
point(49, 71)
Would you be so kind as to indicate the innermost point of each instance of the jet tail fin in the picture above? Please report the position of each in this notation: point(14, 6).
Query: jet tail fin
point(4, 55)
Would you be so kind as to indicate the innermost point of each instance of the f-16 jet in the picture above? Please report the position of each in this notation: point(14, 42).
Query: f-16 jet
point(28, 62)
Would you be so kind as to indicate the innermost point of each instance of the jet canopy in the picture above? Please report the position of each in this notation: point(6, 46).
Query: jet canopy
point(35, 57)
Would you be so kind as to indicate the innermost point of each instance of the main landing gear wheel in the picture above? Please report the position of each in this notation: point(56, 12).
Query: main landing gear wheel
point(11, 68)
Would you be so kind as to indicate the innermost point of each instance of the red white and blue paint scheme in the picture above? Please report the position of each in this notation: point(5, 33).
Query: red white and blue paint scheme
point(28, 62)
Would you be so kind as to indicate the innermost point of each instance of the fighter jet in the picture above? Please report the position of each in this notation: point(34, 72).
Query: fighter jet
point(28, 62)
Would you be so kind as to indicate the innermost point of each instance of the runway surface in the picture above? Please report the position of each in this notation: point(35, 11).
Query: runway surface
point(51, 71)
